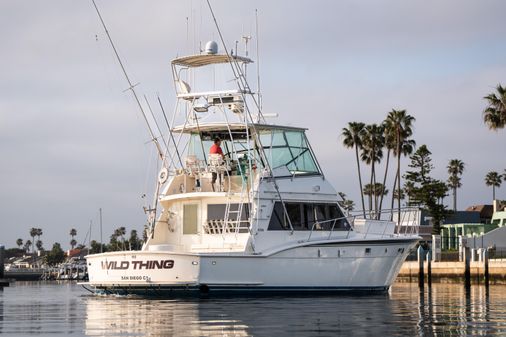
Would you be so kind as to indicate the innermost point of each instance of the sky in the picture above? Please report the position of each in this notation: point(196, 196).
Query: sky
point(72, 141)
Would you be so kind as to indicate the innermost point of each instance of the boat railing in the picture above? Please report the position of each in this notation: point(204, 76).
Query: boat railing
point(407, 222)
point(197, 176)
point(346, 219)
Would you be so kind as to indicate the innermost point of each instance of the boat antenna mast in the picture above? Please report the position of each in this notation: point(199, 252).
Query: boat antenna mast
point(131, 86)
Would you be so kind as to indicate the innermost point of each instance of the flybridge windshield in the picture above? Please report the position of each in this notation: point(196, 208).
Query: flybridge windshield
point(287, 151)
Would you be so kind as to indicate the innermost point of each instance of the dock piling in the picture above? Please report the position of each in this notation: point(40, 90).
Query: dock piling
point(429, 267)
point(485, 267)
point(467, 262)
point(421, 258)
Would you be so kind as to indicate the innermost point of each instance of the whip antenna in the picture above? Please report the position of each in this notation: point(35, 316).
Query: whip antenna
point(130, 85)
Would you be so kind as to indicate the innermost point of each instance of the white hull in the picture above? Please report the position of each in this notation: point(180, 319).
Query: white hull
point(317, 267)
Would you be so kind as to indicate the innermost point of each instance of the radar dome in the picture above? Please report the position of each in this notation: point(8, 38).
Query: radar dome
point(211, 48)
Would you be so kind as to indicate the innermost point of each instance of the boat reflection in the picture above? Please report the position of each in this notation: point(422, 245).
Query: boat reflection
point(281, 316)
point(441, 310)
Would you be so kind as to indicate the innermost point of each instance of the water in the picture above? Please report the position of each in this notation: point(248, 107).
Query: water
point(47, 309)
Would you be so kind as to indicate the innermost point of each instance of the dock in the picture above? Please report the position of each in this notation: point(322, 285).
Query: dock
point(473, 268)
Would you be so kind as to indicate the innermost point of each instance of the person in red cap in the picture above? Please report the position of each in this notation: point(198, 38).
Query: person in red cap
point(216, 148)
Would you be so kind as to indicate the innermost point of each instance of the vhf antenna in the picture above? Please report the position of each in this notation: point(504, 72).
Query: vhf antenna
point(130, 85)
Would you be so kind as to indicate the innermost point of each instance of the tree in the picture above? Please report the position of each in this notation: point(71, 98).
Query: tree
point(346, 204)
point(95, 247)
point(27, 246)
point(120, 232)
point(39, 244)
point(73, 243)
point(493, 179)
point(352, 138)
point(455, 169)
point(375, 191)
point(55, 256)
point(399, 125)
point(19, 243)
point(389, 145)
point(39, 233)
point(134, 241)
point(408, 190)
point(33, 234)
point(73, 232)
point(494, 115)
point(424, 190)
point(372, 153)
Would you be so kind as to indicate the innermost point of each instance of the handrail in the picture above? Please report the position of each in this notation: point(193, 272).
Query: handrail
point(330, 220)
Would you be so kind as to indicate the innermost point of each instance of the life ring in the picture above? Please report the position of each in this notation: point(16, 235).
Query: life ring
point(163, 176)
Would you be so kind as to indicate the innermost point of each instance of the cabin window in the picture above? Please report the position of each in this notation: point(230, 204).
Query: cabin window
point(307, 216)
point(216, 218)
point(278, 218)
point(217, 211)
point(290, 149)
point(190, 218)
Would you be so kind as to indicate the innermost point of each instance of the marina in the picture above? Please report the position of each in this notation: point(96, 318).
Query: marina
point(215, 168)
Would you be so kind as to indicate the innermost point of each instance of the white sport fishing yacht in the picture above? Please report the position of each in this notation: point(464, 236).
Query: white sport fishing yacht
point(260, 217)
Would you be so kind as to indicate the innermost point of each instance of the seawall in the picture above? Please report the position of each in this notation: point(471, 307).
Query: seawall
point(451, 272)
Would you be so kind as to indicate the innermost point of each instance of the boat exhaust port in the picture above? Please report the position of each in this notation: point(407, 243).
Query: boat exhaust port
point(204, 288)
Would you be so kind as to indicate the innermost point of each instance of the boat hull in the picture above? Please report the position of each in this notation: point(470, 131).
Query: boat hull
point(320, 267)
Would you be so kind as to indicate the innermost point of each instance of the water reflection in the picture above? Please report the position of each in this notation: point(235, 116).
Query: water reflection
point(441, 310)
point(282, 316)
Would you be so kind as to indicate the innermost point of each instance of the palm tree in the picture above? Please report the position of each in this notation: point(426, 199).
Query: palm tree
point(39, 233)
point(120, 232)
point(19, 243)
point(348, 206)
point(39, 244)
point(372, 153)
point(73, 243)
point(377, 190)
point(352, 138)
point(455, 169)
point(389, 145)
point(493, 179)
point(73, 233)
point(27, 245)
point(400, 125)
point(495, 113)
point(33, 234)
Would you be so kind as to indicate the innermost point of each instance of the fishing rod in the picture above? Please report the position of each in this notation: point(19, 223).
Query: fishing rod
point(131, 86)
point(170, 131)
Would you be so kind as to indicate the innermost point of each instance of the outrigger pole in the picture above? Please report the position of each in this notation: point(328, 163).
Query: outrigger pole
point(131, 86)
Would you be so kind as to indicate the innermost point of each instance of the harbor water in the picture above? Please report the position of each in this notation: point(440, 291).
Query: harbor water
point(47, 309)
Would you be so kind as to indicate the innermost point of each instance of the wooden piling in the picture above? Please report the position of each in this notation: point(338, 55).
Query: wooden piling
point(467, 271)
point(421, 258)
point(429, 267)
point(485, 267)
